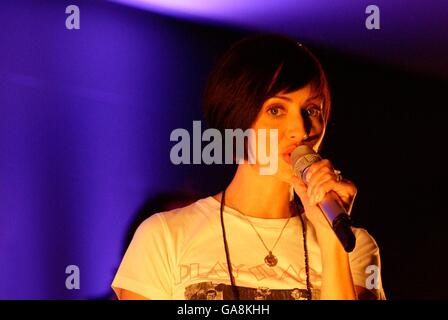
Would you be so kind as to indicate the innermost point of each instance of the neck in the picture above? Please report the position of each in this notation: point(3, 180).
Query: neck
point(256, 195)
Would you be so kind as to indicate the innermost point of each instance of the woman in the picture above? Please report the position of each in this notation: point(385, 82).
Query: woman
point(263, 237)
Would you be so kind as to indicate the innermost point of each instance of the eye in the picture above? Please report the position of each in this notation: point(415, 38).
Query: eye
point(313, 111)
point(275, 110)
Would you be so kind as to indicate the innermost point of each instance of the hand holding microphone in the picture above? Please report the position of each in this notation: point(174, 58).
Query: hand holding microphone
point(326, 199)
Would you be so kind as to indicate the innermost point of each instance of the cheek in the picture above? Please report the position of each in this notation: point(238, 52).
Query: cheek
point(268, 138)
point(318, 129)
point(317, 126)
point(275, 131)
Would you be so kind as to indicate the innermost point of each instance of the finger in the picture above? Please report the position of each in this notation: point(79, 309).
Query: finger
point(346, 191)
point(324, 173)
point(317, 166)
point(300, 188)
point(353, 191)
point(321, 187)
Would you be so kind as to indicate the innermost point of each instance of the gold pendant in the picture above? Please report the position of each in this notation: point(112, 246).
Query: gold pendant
point(271, 260)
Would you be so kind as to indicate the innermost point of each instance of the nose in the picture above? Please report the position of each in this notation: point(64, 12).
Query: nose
point(297, 129)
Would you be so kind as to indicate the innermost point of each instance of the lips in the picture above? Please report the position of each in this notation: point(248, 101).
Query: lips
point(287, 158)
point(286, 154)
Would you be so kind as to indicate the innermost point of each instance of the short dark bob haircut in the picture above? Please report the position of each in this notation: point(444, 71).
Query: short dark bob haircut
point(255, 69)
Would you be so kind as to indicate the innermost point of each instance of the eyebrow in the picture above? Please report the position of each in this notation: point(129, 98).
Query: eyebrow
point(318, 95)
point(283, 98)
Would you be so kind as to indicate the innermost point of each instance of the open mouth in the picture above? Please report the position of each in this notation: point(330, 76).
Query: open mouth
point(287, 157)
point(286, 154)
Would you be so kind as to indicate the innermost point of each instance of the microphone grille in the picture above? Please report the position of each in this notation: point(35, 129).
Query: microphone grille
point(302, 157)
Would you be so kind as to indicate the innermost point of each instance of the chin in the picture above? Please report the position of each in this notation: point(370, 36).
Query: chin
point(286, 176)
point(284, 171)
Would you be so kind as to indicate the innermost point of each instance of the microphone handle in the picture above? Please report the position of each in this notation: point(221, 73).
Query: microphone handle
point(339, 220)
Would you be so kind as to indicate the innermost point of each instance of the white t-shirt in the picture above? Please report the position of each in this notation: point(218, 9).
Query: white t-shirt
point(179, 254)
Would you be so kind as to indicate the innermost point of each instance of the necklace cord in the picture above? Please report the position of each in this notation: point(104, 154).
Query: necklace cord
point(258, 234)
point(305, 247)
point(235, 291)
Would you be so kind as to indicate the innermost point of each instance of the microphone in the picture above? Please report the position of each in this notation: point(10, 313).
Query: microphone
point(302, 158)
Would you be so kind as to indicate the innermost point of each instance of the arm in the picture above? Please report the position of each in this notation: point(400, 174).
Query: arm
point(129, 295)
point(340, 271)
point(337, 282)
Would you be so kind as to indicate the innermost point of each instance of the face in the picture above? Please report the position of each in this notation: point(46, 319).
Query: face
point(211, 295)
point(294, 115)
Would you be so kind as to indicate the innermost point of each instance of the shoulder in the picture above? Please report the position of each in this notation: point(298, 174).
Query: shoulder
point(177, 220)
point(363, 237)
point(365, 265)
point(366, 244)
